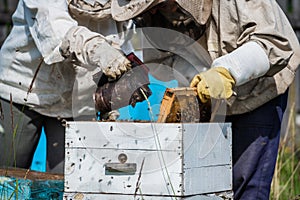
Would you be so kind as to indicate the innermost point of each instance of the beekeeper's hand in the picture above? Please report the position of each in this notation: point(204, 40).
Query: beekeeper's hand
point(92, 50)
point(112, 62)
point(245, 63)
point(214, 83)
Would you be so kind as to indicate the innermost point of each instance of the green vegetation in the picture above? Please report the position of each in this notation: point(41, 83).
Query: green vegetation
point(286, 181)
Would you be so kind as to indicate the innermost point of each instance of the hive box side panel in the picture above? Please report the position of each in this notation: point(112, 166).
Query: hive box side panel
point(207, 158)
point(207, 180)
point(86, 171)
point(123, 135)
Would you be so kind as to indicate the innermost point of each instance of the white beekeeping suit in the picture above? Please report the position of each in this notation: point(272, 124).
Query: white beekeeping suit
point(260, 50)
point(47, 65)
point(69, 41)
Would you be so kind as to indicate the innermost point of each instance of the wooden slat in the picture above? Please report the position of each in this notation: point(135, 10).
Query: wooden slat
point(28, 174)
point(179, 105)
point(166, 105)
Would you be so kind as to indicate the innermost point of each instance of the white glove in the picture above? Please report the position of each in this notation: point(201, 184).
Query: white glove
point(91, 50)
point(111, 61)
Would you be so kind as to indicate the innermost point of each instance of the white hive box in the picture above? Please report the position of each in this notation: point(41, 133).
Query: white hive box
point(126, 160)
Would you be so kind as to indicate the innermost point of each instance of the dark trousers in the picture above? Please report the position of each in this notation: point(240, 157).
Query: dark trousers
point(256, 138)
point(20, 130)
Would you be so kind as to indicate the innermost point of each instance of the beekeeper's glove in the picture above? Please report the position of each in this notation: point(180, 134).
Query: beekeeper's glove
point(236, 68)
point(215, 82)
point(92, 50)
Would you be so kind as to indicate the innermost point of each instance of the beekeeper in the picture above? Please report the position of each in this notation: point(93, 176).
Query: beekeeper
point(47, 63)
point(255, 54)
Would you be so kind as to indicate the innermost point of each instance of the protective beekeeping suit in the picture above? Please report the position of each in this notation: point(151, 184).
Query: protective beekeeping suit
point(47, 62)
point(254, 54)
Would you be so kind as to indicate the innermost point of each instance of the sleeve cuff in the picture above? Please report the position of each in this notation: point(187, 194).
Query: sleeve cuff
point(245, 63)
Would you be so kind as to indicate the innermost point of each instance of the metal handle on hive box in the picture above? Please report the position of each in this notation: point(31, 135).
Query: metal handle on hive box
point(120, 168)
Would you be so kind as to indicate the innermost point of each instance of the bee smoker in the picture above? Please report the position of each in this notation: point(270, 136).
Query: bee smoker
point(130, 88)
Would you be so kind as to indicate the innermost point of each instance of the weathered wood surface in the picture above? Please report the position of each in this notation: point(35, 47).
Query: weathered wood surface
point(28, 174)
point(178, 159)
point(179, 105)
point(182, 105)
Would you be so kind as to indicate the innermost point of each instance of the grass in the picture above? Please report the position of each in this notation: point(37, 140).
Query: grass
point(286, 181)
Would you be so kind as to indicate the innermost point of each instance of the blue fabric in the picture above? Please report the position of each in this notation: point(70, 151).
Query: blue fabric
point(256, 138)
point(39, 158)
point(11, 188)
point(47, 190)
point(24, 189)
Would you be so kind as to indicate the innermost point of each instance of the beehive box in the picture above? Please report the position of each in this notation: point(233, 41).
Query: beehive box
point(127, 160)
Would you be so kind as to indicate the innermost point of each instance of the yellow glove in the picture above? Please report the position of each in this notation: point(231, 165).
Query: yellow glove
point(215, 83)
